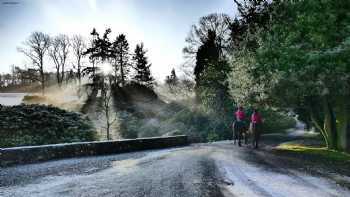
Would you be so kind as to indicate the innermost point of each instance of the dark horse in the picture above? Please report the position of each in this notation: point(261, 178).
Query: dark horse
point(239, 129)
point(255, 131)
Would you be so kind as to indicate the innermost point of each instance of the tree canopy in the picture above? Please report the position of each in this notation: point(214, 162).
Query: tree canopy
point(300, 63)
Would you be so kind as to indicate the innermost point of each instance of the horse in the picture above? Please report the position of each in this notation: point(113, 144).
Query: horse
point(254, 129)
point(239, 129)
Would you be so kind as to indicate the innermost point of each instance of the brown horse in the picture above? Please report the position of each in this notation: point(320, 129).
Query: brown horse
point(239, 130)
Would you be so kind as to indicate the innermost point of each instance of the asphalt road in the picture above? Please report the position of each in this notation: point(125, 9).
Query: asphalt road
point(218, 169)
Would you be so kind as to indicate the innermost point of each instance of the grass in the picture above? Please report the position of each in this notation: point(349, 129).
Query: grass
point(320, 153)
point(330, 163)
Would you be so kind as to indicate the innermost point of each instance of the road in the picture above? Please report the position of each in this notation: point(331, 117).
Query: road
point(217, 169)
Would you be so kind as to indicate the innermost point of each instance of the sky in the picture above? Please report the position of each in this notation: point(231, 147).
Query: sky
point(162, 25)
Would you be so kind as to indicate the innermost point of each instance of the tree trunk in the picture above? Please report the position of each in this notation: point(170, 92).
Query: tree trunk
point(318, 125)
point(343, 124)
point(42, 83)
point(317, 117)
point(58, 77)
point(42, 75)
point(330, 124)
point(122, 72)
point(62, 74)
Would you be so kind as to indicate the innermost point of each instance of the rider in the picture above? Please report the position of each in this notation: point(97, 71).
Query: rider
point(255, 118)
point(239, 123)
point(255, 123)
point(240, 116)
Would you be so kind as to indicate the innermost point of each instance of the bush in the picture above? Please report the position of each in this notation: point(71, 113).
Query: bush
point(34, 99)
point(276, 122)
point(24, 125)
point(200, 126)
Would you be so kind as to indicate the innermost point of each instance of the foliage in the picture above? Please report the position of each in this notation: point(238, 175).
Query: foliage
point(142, 67)
point(198, 123)
point(301, 63)
point(121, 58)
point(217, 23)
point(172, 81)
point(275, 121)
point(33, 99)
point(24, 125)
point(210, 75)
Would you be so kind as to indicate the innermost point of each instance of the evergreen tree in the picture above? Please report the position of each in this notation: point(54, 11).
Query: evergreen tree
point(121, 59)
point(142, 67)
point(172, 81)
point(100, 51)
point(172, 78)
point(210, 75)
point(207, 55)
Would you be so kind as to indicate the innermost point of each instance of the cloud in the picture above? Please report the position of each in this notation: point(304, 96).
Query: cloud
point(10, 3)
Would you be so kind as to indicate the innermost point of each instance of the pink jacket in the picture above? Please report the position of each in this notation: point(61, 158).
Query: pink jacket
point(255, 118)
point(239, 115)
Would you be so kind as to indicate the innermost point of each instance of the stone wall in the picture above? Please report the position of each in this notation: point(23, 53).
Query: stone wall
point(32, 154)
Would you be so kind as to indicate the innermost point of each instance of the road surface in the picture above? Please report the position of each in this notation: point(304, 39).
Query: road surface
point(218, 169)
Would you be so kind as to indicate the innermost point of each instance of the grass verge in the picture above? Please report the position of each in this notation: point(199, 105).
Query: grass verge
point(320, 153)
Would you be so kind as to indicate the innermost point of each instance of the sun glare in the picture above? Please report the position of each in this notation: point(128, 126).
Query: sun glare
point(106, 68)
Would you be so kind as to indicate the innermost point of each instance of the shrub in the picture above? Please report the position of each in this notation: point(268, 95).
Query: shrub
point(24, 125)
point(34, 99)
point(275, 122)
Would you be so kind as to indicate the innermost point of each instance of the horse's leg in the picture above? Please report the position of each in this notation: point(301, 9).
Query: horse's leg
point(234, 133)
point(252, 130)
point(254, 138)
point(257, 131)
point(246, 136)
point(240, 137)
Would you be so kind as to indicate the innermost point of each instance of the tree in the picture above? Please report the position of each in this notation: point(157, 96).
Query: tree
point(142, 67)
point(121, 60)
point(100, 51)
point(301, 63)
point(58, 52)
point(207, 54)
point(79, 47)
point(35, 48)
point(172, 81)
point(218, 24)
point(110, 117)
point(210, 75)
point(254, 17)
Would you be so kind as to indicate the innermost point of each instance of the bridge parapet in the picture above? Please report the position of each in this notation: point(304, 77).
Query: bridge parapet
point(33, 154)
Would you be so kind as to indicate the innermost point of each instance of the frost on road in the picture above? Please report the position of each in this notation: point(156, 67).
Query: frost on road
point(218, 169)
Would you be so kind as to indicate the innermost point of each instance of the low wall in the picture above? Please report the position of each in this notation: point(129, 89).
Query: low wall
point(32, 154)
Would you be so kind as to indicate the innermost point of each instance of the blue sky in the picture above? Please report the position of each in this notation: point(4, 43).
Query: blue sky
point(161, 24)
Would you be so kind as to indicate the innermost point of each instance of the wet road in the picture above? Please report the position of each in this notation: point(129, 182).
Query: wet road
point(218, 169)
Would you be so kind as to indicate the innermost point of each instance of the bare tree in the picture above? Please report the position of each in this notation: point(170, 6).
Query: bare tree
point(58, 52)
point(110, 117)
point(35, 48)
point(79, 47)
point(217, 23)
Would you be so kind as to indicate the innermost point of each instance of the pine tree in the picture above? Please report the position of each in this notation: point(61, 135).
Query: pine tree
point(142, 67)
point(100, 51)
point(172, 81)
point(121, 61)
